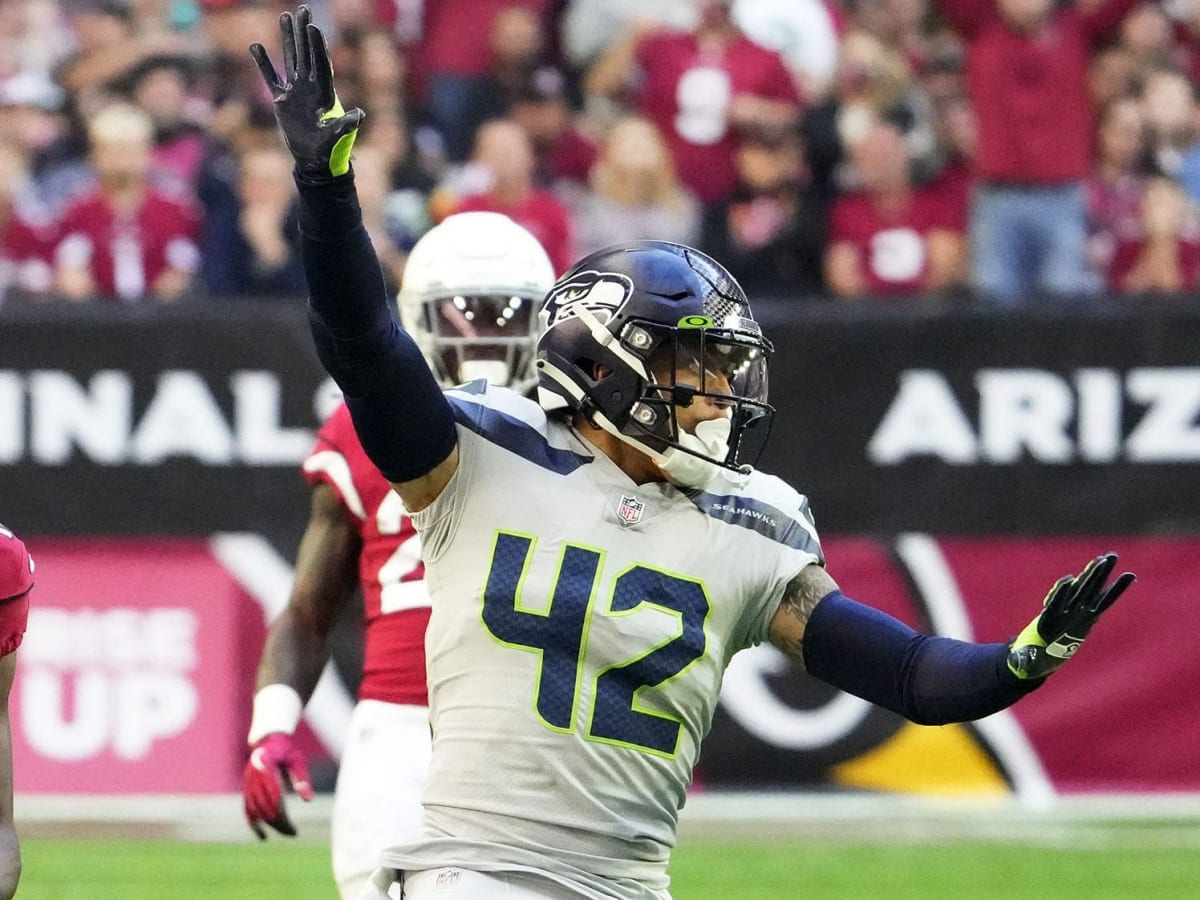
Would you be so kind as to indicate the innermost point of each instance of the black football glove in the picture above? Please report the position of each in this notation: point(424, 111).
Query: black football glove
point(317, 130)
point(1068, 613)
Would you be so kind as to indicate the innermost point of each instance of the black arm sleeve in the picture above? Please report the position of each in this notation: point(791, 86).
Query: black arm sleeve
point(929, 680)
point(401, 416)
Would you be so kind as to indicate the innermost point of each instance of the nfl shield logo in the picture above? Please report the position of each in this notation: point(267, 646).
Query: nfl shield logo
point(630, 510)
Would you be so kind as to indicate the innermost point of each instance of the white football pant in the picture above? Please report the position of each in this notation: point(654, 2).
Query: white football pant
point(451, 883)
point(377, 802)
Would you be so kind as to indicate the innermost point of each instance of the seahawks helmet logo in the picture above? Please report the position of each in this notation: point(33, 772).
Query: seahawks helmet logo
point(600, 293)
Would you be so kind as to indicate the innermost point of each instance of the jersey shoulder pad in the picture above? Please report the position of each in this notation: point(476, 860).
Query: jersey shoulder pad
point(475, 396)
point(766, 503)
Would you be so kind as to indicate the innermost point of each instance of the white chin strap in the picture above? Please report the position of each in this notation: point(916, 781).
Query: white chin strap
point(684, 469)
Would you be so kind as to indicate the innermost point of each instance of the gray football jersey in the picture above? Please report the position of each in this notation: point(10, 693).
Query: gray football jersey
point(580, 627)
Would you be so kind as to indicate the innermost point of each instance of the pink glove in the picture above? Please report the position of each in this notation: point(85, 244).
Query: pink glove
point(273, 760)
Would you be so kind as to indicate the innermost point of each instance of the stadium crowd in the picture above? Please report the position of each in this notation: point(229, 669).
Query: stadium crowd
point(998, 149)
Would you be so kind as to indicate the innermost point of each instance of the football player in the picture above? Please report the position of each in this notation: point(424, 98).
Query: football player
point(470, 292)
point(16, 581)
point(596, 558)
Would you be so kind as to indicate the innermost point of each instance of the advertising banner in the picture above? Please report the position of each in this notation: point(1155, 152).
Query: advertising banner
point(957, 461)
point(131, 678)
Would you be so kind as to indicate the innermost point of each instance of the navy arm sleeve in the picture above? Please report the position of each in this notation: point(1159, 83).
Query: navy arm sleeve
point(927, 679)
point(402, 418)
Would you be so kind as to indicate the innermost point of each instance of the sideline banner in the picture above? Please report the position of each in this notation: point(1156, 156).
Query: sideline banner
point(131, 679)
point(130, 438)
point(137, 670)
point(194, 419)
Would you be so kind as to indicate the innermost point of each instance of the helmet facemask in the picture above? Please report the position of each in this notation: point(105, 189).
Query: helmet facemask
point(655, 343)
point(704, 400)
point(490, 336)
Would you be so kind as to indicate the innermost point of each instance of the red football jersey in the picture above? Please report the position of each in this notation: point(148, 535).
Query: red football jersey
point(891, 249)
point(395, 600)
point(1128, 249)
point(127, 254)
point(687, 92)
point(16, 579)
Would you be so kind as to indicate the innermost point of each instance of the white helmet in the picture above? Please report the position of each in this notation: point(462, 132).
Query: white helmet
point(470, 296)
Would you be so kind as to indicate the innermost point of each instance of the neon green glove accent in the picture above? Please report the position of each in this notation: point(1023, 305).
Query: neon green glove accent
point(339, 156)
point(317, 130)
point(1069, 611)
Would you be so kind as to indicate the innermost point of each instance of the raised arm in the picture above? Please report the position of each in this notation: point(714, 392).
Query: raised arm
point(934, 680)
point(404, 422)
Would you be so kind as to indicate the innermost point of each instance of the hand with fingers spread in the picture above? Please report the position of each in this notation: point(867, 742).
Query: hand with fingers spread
point(274, 761)
point(317, 130)
point(1069, 611)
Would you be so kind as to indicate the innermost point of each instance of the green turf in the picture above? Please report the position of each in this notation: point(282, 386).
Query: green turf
point(1119, 867)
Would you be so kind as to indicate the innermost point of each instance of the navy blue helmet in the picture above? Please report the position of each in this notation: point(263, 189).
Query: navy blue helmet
point(627, 312)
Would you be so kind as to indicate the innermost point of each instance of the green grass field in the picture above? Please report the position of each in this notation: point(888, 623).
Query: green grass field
point(1102, 861)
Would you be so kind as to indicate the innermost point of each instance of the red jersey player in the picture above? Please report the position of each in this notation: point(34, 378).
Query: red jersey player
point(16, 581)
point(472, 287)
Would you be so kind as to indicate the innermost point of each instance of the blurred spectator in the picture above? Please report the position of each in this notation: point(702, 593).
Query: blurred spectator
point(634, 193)
point(771, 232)
point(891, 237)
point(1164, 255)
point(898, 24)
point(161, 86)
point(1112, 73)
point(1149, 36)
point(1027, 76)
point(504, 158)
point(590, 28)
point(706, 90)
point(33, 37)
point(1173, 129)
point(32, 118)
point(391, 234)
point(564, 152)
point(371, 71)
point(229, 79)
point(804, 32)
point(26, 235)
point(263, 260)
point(109, 45)
point(957, 141)
point(1117, 183)
point(218, 190)
point(518, 47)
point(457, 53)
point(871, 83)
point(408, 169)
point(125, 240)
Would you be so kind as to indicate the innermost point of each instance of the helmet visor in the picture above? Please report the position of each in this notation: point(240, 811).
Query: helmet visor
point(723, 368)
point(483, 336)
